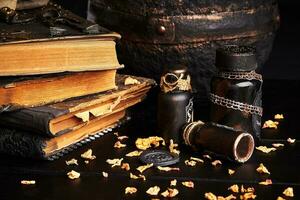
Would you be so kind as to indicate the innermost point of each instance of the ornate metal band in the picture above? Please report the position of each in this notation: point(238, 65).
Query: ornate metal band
point(240, 75)
point(180, 83)
point(231, 104)
point(188, 129)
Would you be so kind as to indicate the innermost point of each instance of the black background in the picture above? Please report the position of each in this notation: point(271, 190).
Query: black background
point(280, 96)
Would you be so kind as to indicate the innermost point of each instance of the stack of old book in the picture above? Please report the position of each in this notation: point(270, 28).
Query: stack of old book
point(58, 83)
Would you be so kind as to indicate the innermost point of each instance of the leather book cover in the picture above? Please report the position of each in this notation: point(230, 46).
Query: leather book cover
point(25, 144)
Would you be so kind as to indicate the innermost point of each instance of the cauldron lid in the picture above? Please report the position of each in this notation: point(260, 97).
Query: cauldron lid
point(236, 58)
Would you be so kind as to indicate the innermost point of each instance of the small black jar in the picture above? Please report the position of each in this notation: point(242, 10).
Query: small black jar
point(175, 103)
point(236, 90)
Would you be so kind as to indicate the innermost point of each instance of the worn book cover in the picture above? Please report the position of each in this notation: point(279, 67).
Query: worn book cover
point(31, 91)
point(25, 144)
point(51, 39)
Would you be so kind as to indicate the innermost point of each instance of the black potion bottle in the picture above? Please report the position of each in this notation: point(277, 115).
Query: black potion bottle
point(175, 103)
point(236, 90)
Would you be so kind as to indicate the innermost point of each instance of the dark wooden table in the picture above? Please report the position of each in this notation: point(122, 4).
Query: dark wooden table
point(52, 182)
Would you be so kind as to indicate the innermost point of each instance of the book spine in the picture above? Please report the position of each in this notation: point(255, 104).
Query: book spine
point(18, 143)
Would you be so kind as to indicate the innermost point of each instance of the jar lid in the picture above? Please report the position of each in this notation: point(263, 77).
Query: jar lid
point(236, 58)
point(159, 157)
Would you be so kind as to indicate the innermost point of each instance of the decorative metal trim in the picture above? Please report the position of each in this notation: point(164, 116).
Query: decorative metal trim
point(252, 75)
point(188, 129)
point(235, 105)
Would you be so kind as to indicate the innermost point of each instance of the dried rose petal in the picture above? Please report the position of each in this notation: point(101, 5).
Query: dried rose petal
point(116, 133)
point(114, 162)
point(265, 149)
point(73, 174)
point(134, 153)
point(234, 188)
point(125, 166)
point(270, 124)
point(167, 169)
point(289, 192)
point(207, 156)
point(172, 147)
point(248, 195)
point(105, 174)
point(131, 81)
point(210, 196)
point(280, 198)
point(216, 162)
point(144, 167)
point(170, 192)
point(249, 189)
point(28, 182)
point(277, 145)
point(153, 190)
point(122, 137)
point(73, 161)
point(278, 116)
point(145, 143)
point(88, 155)
point(230, 197)
point(231, 171)
point(132, 176)
point(291, 141)
point(191, 163)
point(119, 145)
point(197, 159)
point(86, 162)
point(189, 184)
point(173, 182)
point(262, 169)
point(266, 182)
point(130, 190)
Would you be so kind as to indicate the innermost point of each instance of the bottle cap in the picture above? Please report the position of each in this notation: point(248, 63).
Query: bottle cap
point(159, 157)
point(236, 58)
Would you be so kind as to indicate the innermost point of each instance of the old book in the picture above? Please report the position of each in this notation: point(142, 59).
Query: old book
point(23, 4)
point(60, 118)
point(8, 3)
point(25, 144)
point(29, 91)
point(51, 40)
point(29, 4)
